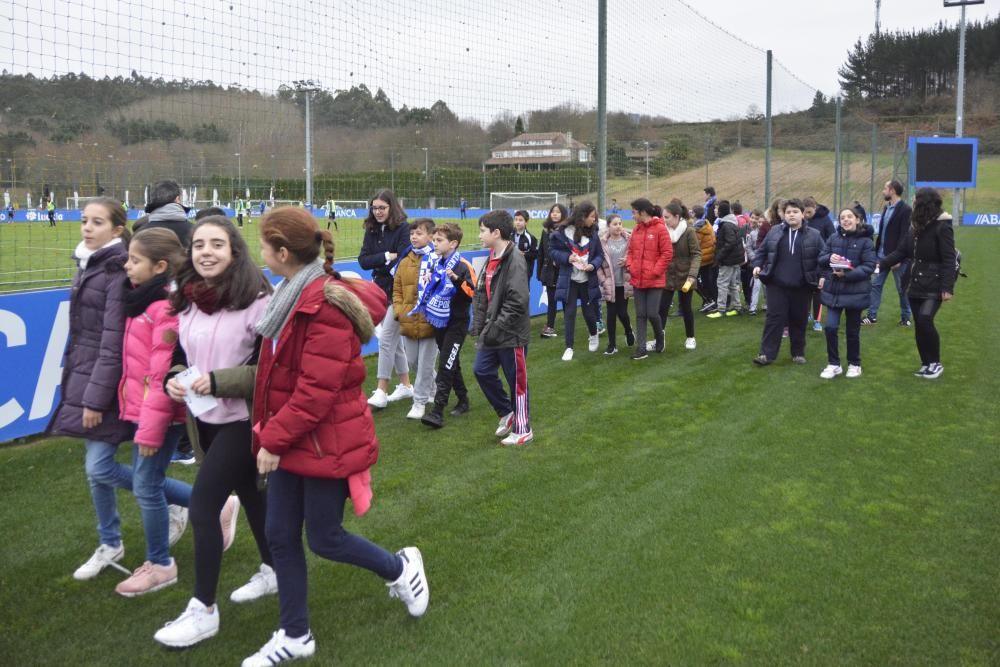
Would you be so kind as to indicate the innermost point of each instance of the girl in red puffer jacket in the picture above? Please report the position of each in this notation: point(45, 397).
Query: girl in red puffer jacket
point(313, 430)
point(649, 253)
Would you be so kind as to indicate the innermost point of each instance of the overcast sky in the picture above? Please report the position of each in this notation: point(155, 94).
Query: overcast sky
point(480, 56)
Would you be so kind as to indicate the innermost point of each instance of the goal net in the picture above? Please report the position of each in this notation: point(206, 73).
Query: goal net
point(536, 203)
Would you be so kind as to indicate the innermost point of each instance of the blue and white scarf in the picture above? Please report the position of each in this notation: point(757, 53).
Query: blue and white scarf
point(434, 298)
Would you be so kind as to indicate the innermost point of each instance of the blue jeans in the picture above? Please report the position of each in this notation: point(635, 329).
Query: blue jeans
point(878, 281)
point(154, 491)
point(105, 476)
point(318, 503)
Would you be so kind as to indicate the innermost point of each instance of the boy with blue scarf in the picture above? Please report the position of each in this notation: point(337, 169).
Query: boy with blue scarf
point(445, 302)
point(412, 275)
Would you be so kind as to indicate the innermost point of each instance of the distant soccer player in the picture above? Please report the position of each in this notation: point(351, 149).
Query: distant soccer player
point(331, 214)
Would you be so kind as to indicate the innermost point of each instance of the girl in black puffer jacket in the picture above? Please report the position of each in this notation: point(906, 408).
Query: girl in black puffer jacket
point(846, 262)
point(930, 243)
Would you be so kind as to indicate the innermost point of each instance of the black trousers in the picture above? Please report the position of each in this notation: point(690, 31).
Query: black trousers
point(687, 311)
point(786, 307)
point(853, 335)
point(708, 279)
point(746, 281)
point(550, 314)
point(229, 466)
point(578, 292)
point(928, 340)
point(449, 374)
point(618, 312)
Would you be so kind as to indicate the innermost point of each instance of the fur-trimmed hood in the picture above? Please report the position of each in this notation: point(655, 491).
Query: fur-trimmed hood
point(363, 305)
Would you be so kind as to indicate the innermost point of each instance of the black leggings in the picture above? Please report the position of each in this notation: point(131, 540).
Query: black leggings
point(928, 340)
point(228, 466)
point(618, 311)
point(687, 312)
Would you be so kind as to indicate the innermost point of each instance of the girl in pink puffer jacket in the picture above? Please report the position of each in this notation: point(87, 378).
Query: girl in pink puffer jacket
point(150, 338)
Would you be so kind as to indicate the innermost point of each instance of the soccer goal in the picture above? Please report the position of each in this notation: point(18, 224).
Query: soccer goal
point(536, 203)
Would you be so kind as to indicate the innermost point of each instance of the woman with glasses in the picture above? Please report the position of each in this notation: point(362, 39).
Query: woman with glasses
point(386, 241)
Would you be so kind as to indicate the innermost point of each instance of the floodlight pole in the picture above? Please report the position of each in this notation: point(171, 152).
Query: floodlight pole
point(602, 106)
point(770, 133)
point(959, 109)
point(309, 151)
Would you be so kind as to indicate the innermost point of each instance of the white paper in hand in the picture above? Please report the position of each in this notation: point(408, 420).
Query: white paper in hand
point(198, 404)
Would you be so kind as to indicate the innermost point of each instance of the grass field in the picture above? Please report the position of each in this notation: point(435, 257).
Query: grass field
point(689, 509)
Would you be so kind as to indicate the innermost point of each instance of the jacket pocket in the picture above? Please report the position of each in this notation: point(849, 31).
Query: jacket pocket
point(314, 441)
point(926, 279)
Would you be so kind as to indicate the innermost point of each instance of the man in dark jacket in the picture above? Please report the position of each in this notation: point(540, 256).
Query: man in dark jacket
point(892, 227)
point(502, 323)
point(165, 210)
point(787, 265)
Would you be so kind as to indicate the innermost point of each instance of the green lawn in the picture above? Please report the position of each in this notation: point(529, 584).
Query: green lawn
point(689, 509)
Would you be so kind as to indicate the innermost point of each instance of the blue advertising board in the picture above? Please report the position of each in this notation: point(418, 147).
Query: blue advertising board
point(981, 220)
point(34, 327)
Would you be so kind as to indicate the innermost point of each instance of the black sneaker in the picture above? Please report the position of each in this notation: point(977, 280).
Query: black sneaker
point(433, 417)
point(611, 350)
point(549, 332)
point(708, 307)
point(870, 320)
point(639, 354)
point(461, 407)
point(904, 323)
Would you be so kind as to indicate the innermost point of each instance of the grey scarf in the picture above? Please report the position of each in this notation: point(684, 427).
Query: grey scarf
point(285, 296)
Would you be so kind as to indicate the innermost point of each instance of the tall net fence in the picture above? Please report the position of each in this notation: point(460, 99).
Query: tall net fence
point(449, 104)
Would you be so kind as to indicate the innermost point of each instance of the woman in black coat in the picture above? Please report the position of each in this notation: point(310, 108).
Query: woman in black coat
point(386, 242)
point(846, 262)
point(930, 243)
point(548, 272)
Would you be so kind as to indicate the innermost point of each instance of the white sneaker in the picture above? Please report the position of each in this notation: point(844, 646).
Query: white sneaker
point(593, 342)
point(411, 587)
point(177, 518)
point(103, 556)
point(514, 439)
point(400, 392)
point(650, 346)
point(281, 648)
point(831, 372)
point(263, 582)
point(853, 371)
point(227, 520)
point(568, 354)
point(379, 399)
point(417, 411)
point(690, 344)
point(505, 425)
point(195, 624)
